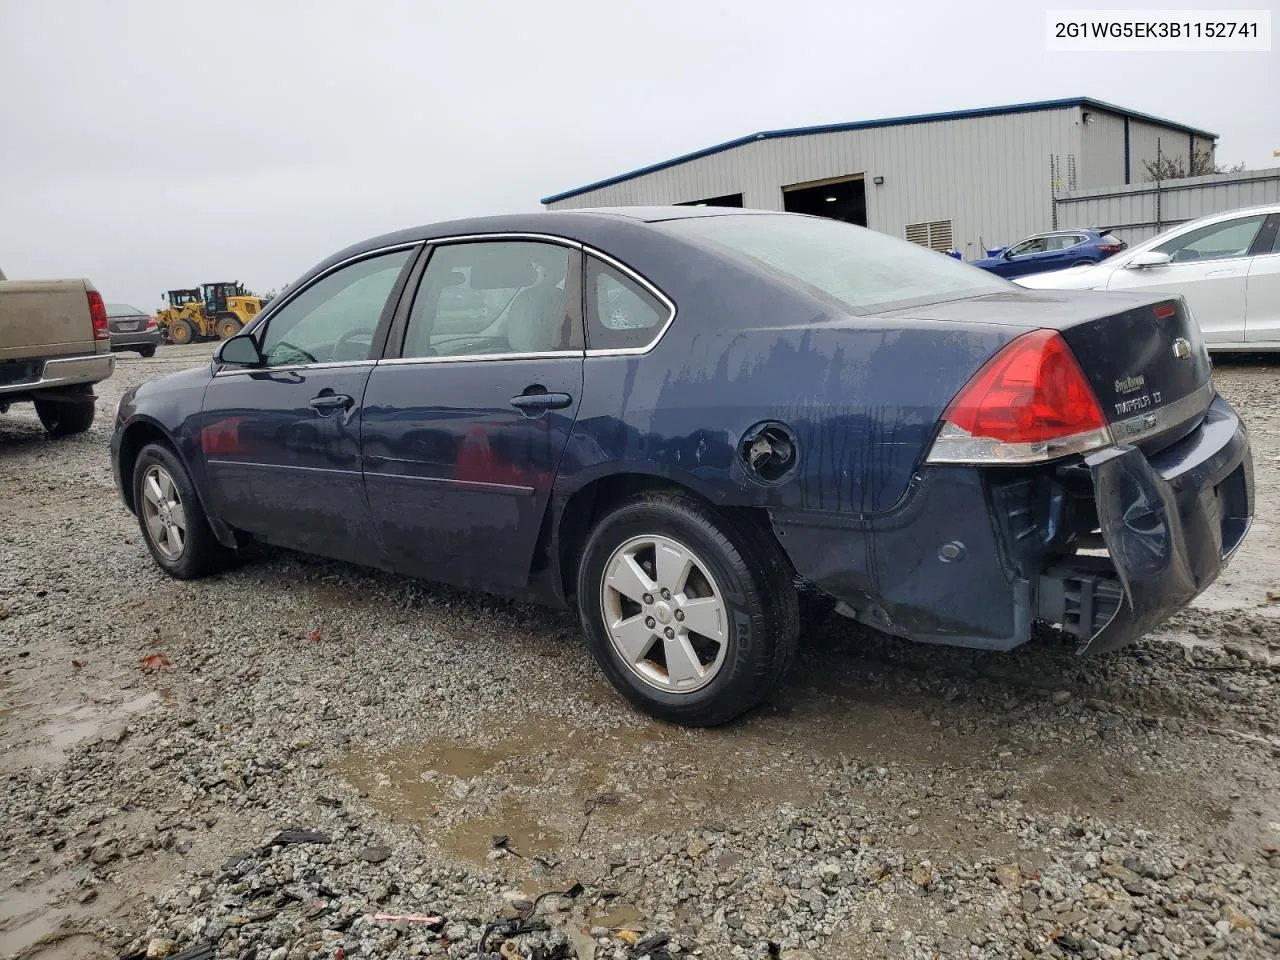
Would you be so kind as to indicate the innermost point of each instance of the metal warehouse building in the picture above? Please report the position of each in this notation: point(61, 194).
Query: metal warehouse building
point(964, 180)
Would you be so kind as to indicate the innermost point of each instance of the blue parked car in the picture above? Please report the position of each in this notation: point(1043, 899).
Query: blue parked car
point(702, 428)
point(1052, 251)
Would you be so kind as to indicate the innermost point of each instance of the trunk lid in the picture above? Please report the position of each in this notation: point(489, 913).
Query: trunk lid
point(129, 323)
point(1144, 355)
point(45, 318)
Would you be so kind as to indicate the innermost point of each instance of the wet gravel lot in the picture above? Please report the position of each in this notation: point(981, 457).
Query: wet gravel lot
point(279, 762)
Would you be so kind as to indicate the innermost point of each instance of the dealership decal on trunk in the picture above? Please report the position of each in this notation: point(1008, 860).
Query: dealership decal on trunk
point(1130, 384)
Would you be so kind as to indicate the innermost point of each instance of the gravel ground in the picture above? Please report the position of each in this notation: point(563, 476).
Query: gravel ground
point(272, 761)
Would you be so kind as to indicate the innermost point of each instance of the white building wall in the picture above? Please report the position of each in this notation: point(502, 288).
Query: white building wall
point(1146, 138)
point(989, 175)
point(1102, 159)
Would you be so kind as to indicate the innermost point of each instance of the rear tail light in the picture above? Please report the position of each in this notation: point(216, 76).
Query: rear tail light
point(98, 314)
point(152, 325)
point(1029, 403)
point(1110, 248)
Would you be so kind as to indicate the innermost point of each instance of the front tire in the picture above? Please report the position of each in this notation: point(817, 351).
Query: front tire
point(692, 618)
point(68, 415)
point(181, 332)
point(173, 522)
point(228, 327)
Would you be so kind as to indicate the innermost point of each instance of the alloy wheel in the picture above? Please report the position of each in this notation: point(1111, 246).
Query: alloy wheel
point(664, 613)
point(163, 512)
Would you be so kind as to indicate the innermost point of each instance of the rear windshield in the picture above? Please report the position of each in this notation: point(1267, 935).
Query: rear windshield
point(861, 269)
point(123, 310)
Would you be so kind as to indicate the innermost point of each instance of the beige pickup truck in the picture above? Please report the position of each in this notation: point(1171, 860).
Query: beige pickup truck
point(55, 344)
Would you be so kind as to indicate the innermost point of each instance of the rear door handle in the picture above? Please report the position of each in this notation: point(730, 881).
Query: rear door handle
point(534, 402)
point(326, 403)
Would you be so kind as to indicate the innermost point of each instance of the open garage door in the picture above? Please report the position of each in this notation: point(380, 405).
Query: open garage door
point(840, 198)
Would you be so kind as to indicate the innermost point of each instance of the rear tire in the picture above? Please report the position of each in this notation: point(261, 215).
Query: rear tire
point(181, 332)
point(66, 415)
point(228, 327)
point(147, 352)
point(173, 522)
point(724, 578)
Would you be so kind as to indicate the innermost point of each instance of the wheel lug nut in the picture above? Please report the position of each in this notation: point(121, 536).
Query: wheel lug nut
point(670, 634)
point(666, 594)
point(648, 598)
point(679, 614)
point(650, 622)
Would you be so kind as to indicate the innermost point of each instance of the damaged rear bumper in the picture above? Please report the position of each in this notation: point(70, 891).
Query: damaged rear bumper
point(973, 557)
point(1170, 524)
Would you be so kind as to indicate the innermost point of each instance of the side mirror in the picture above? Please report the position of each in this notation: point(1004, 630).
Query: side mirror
point(240, 351)
point(1149, 258)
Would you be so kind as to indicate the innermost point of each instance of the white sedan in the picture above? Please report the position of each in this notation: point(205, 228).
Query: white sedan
point(1227, 266)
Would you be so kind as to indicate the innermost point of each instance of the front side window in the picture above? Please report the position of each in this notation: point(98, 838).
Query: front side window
point(334, 319)
point(489, 297)
point(1028, 247)
point(1217, 241)
point(859, 269)
point(621, 313)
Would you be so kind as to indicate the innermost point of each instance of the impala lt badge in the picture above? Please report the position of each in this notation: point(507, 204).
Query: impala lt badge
point(1181, 349)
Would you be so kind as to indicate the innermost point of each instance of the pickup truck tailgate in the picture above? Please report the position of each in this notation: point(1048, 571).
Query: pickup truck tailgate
point(45, 318)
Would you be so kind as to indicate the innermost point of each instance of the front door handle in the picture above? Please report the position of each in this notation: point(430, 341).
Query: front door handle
point(327, 403)
point(536, 402)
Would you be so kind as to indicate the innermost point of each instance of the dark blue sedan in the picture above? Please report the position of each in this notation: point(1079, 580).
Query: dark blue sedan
point(705, 428)
point(1057, 250)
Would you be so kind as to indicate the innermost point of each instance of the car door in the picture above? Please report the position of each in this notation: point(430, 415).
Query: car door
point(282, 441)
point(1025, 257)
point(1209, 266)
point(1262, 290)
point(465, 428)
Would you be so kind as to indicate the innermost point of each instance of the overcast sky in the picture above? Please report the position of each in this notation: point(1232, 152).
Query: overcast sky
point(150, 145)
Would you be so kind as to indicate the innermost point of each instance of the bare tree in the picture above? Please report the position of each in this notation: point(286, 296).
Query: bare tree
point(1174, 168)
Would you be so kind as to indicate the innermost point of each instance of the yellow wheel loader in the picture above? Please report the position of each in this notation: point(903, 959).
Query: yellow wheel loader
point(229, 307)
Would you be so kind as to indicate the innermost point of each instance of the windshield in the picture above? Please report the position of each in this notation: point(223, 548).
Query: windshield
point(861, 269)
point(123, 310)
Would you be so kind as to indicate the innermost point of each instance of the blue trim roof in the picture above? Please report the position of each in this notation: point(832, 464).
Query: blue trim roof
point(886, 122)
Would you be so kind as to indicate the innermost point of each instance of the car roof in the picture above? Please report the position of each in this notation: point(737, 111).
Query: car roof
point(590, 225)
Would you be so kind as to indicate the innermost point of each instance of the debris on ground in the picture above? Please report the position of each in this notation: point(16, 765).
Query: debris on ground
point(153, 662)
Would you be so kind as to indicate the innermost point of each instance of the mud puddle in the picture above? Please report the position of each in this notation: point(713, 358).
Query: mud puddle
point(39, 922)
point(38, 735)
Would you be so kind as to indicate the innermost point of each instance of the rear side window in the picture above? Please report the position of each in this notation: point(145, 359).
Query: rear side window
point(495, 297)
point(1065, 241)
point(621, 313)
